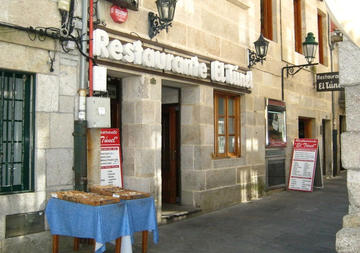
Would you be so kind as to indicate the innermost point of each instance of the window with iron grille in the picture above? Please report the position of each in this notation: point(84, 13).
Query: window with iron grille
point(17, 114)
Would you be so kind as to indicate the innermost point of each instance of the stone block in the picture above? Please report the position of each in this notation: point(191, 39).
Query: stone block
point(42, 130)
point(144, 184)
point(144, 162)
point(229, 162)
point(61, 129)
point(145, 112)
point(350, 147)
point(190, 95)
point(347, 240)
point(190, 135)
point(192, 180)
point(220, 178)
point(218, 198)
point(40, 169)
point(352, 102)
point(207, 96)
point(68, 80)
point(203, 157)
point(207, 135)
point(349, 72)
point(205, 114)
point(59, 167)
point(233, 52)
point(187, 157)
point(66, 104)
point(128, 161)
point(187, 198)
point(351, 220)
point(47, 93)
point(128, 112)
point(187, 114)
point(155, 88)
point(210, 44)
point(353, 185)
point(135, 88)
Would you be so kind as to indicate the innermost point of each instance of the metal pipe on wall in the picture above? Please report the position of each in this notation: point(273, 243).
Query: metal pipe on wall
point(80, 125)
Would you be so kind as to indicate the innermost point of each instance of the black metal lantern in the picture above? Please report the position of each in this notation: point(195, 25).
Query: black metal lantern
point(309, 47)
point(166, 10)
point(261, 48)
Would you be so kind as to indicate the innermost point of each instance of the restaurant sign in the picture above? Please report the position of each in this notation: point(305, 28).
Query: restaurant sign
point(328, 82)
point(134, 53)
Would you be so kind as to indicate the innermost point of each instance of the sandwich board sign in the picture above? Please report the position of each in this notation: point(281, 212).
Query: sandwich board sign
point(303, 165)
point(110, 157)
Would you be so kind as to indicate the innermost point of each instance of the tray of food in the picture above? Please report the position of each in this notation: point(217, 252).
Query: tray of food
point(88, 198)
point(118, 192)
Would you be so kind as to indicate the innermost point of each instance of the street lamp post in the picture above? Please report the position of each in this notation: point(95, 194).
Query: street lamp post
point(309, 48)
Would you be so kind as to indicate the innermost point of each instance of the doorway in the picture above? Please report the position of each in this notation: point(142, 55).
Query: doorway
point(305, 127)
point(170, 172)
point(326, 144)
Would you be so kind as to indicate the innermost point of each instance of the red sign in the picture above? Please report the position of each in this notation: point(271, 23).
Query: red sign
point(109, 136)
point(118, 14)
point(303, 164)
point(110, 157)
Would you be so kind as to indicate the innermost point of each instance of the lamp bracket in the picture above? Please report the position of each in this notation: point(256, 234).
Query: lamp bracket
point(156, 25)
point(294, 69)
point(254, 58)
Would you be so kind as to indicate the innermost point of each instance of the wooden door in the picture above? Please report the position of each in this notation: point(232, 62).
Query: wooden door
point(170, 153)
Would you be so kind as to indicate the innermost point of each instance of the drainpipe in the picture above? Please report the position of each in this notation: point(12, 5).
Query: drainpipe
point(80, 125)
point(334, 130)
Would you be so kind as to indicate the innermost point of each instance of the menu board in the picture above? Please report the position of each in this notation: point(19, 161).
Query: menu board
point(110, 157)
point(303, 165)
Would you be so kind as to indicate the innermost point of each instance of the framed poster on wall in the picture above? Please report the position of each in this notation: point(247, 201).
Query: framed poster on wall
point(275, 123)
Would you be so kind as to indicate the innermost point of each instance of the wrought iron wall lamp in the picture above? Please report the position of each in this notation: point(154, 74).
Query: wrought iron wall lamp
point(166, 10)
point(309, 48)
point(261, 48)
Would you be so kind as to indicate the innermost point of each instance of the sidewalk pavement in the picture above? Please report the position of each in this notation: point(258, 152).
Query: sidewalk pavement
point(284, 222)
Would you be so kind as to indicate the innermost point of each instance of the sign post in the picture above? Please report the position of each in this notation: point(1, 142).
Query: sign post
point(110, 157)
point(303, 165)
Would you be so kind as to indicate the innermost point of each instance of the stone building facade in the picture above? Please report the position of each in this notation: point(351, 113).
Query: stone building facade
point(180, 140)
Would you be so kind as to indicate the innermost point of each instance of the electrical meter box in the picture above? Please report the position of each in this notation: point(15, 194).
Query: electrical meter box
point(98, 112)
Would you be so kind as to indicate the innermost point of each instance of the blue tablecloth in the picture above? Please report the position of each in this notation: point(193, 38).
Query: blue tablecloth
point(102, 223)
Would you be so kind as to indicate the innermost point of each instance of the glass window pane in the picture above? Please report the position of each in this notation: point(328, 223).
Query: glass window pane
point(231, 107)
point(17, 152)
point(221, 144)
point(221, 126)
point(18, 110)
point(19, 88)
point(231, 125)
point(17, 174)
point(18, 131)
point(221, 106)
point(231, 144)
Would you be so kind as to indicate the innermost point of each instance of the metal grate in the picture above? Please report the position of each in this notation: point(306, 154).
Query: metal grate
point(16, 126)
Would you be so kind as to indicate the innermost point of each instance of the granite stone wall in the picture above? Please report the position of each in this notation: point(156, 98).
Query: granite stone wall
point(348, 238)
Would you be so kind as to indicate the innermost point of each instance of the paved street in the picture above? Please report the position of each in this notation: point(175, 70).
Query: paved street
point(284, 222)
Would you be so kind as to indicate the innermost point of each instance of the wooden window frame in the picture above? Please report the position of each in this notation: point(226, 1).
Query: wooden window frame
point(320, 38)
point(266, 19)
point(298, 26)
point(237, 133)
